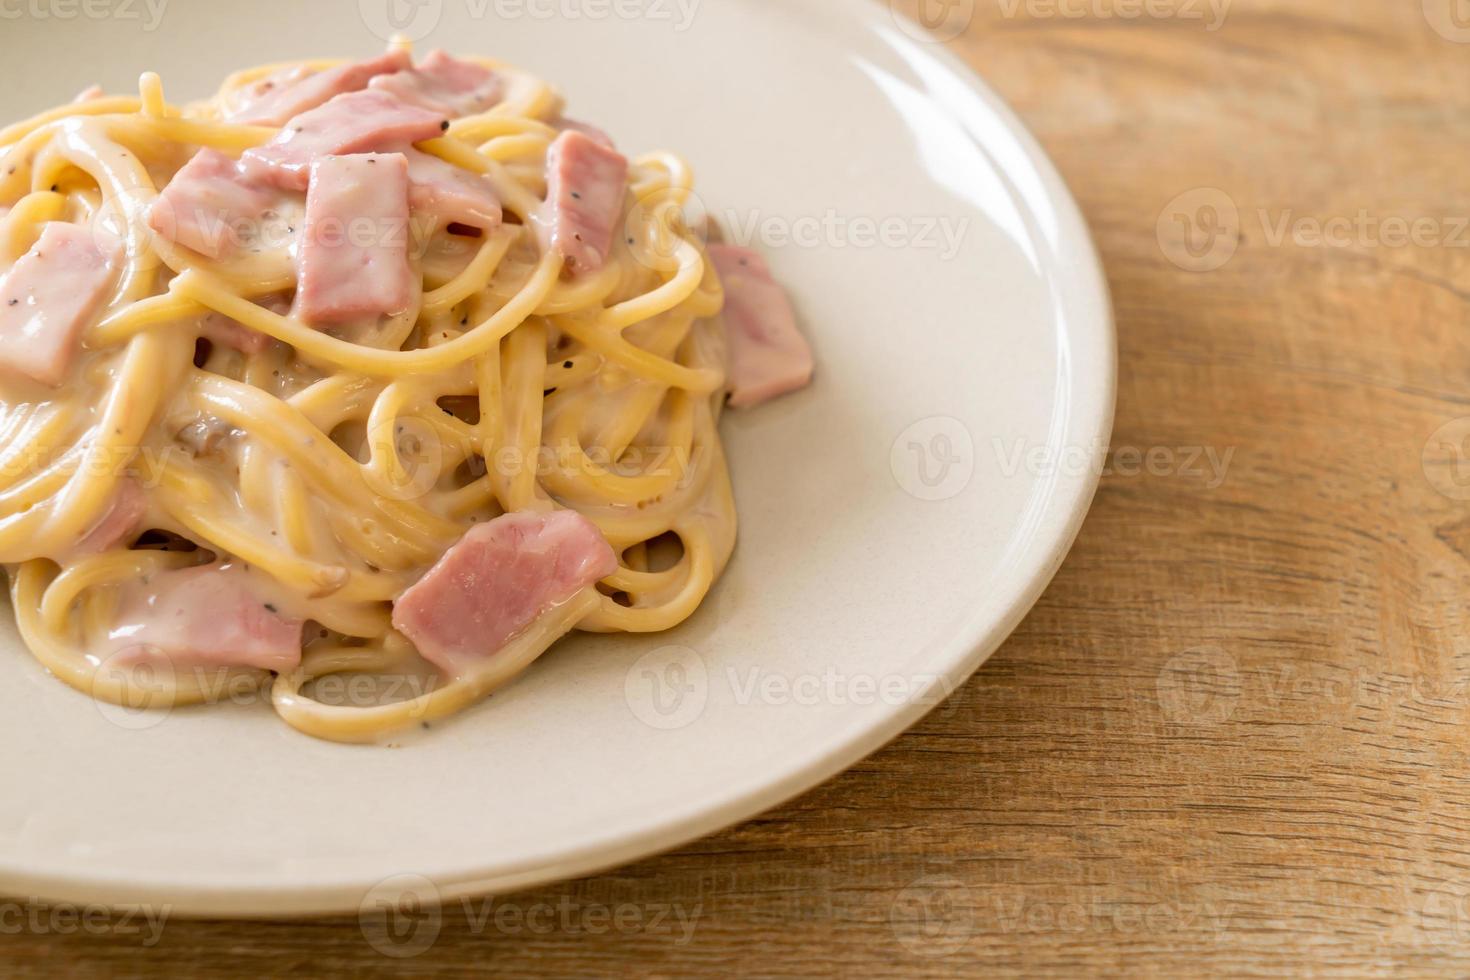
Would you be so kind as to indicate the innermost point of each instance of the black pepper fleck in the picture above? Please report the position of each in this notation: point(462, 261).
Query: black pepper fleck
point(576, 196)
point(11, 302)
point(444, 126)
point(566, 364)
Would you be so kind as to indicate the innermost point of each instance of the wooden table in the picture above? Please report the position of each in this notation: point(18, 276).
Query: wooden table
point(1234, 736)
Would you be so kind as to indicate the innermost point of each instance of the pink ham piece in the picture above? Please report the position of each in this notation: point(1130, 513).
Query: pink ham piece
point(205, 616)
point(584, 195)
point(50, 295)
point(495, 581)
point(354, 254)
point(768, 356)
point(228, 332)
point(351, 123)
point(220, 329)
point(448, 194)
point(444, 84)
point(275, 99)
point(212, 205)
point(586, 129)
point(124, 513)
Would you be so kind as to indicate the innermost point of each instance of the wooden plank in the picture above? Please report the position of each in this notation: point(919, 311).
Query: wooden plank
point(1232, 738)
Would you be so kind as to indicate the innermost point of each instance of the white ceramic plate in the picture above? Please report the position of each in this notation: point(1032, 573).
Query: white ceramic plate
point(897, 518)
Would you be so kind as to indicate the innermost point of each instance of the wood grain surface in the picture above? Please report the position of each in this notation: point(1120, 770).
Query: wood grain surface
point(1234, 736)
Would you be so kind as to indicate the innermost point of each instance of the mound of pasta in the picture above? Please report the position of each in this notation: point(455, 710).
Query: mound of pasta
point(370, 370)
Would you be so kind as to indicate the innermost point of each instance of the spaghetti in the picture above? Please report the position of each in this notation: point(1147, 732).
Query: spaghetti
point(332, 467)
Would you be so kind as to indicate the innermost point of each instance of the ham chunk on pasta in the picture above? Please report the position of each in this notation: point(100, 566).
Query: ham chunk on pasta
point(51, 294)
point(356, 122)
point(768, 356)
point(122, 517)
point(354, 253)
point(584, 198)
point(276, 98)
point(442, 194)
point(205, 616)
point(213, 205)
point(495, 581)
point(444, 84)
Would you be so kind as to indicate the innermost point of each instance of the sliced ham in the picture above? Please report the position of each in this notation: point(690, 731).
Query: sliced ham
point(495, 581)
point(276, 98)
point(586, 129)
point(123, 516)
point(584, 198)
point(448, 194)
point(51, 295)
point(351, 123)
point(354, 254)
point(227, 332)
point(206, 616)
point(444, 84)
point(768, 356)
point(215, 206)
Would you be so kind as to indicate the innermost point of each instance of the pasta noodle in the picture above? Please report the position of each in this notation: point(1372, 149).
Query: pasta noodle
point(336, 466)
